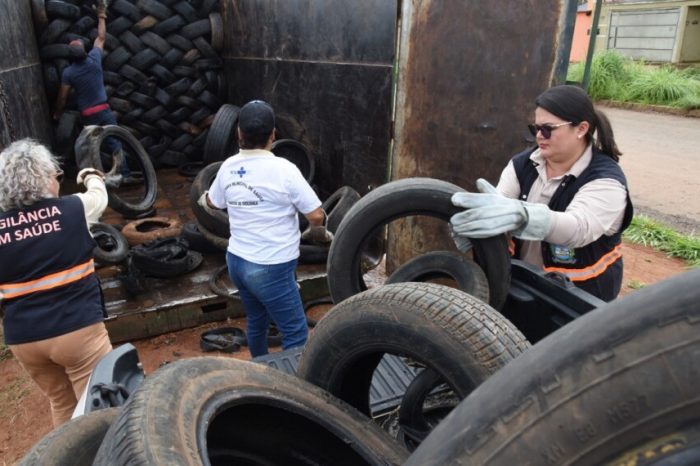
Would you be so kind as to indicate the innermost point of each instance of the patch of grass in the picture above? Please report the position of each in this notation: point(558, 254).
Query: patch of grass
point(615, 77)
point(661, 85)
point(648, 232)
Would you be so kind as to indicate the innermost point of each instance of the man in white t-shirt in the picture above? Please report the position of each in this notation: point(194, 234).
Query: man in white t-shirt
point(263, 194)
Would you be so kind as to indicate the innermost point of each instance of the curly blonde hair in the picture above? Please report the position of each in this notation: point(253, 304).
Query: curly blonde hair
point(26, 167)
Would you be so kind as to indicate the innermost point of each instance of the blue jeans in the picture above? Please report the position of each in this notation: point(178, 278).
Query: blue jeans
point(269, 291)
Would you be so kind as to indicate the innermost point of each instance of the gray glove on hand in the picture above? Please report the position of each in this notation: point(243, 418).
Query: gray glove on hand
point(85, 172)
point(490, 214)
point(317, 234)
point(202, 201)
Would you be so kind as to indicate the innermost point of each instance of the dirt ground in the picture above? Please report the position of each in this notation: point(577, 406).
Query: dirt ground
point(24, 410)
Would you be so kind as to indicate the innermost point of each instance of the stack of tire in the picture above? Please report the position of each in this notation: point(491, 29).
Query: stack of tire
point(162, 69)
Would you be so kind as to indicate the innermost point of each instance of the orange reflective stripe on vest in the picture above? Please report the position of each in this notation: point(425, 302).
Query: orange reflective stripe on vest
point(14, 290)
point(592, 271)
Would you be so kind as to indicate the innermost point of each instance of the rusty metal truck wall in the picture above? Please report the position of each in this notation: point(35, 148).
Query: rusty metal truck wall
point(469, 75)
point(469, 72)
point(325, 66)
point(23, 108)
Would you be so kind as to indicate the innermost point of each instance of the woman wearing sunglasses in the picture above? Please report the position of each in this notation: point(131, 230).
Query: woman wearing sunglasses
point(50, 295)
point(565, 201)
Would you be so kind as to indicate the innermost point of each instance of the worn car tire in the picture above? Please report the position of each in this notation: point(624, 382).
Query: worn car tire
point(616, 386)
point(298, 154)
point(450, 332)
point(225, 411)
point(75, 443)
point(403, 198)
point(467, 275)
point(221, 141)
point(337, 206)
point(216, 223)
point(112, 246)
point(149, 229)
point(87, 151)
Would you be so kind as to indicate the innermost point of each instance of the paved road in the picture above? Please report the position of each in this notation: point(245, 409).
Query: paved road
point(661, 159)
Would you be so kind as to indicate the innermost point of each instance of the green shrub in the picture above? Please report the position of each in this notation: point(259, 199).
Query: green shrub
point(689, 102)
point(650, 233)
point(662, 85)
point(608, 75)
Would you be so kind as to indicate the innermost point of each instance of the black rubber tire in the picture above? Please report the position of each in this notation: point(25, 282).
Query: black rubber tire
point(298, 154)
point(87, 150)
point(143, 100)
point(618, 382)
point(192, 411)
point(144, 24)
point(60, 9)
point(204, 47)
point(337, 206)
point(190, 57)
point(112, 251)
point(74, 443)
point(196, 29)
point(132, 73)
point(217, 241)
point(157, 9)
point(217, 31)
point(54, 30)
point(229, 291)
point(217, 223)
point(176, 40)
point(39, 16)
point(184, 71)
point(197, 241)
point(402, 198)
point(468, 276)
point(156, 42)
point(145, 59)
point(179, 86)
point(119, 25)
point(126, 8)
point(312, 254)
point(131, 41)
point(186, 10)
point(116, 58)
point(222, 141)
point(459, 337)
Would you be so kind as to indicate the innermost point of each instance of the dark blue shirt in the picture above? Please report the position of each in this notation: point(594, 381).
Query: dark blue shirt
point(85, 77)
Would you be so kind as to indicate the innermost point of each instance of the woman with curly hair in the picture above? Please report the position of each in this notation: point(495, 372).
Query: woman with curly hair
point(50, 295)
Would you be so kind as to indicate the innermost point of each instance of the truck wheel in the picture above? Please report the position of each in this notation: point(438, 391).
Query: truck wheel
point(398, 199)
point(468, 276)
point(87, 152)
point(75, 443)
point(221, 411)
point(460, 338)
point(617, 386)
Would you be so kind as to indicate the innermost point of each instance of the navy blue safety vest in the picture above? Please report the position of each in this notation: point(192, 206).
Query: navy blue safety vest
point(596, 267)
point(48, 284)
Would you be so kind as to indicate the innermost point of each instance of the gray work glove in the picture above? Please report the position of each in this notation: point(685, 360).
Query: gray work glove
point(202, 201)
point(489, 213)
point(86, 172)
point(317, 234)
point(461, 242)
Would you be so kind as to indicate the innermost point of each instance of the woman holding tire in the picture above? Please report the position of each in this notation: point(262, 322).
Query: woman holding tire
point(263, 195)
point(565, 202)
point(51, 297)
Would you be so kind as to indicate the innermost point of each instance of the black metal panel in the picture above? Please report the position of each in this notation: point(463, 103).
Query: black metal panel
point(326, 67)
point(317, 30)
point(341, 113)
point(23, 108)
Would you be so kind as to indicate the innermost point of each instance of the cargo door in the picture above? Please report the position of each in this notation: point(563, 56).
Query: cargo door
point(326, 68)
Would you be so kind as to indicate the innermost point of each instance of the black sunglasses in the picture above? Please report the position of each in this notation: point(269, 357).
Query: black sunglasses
point(545, 129)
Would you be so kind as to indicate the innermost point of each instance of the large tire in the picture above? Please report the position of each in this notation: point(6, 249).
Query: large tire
point(403, 198)
point(222, 142)
point(87, 151)
point(467, 275)
point(337, 206)
point(218, 222)
point(224, 411)
point(112, 247)
point(298, 154)
point(443, 329)
point(75, 443)
point(617, 386)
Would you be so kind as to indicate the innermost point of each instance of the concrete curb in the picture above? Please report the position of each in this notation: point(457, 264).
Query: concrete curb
point(695, 113)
